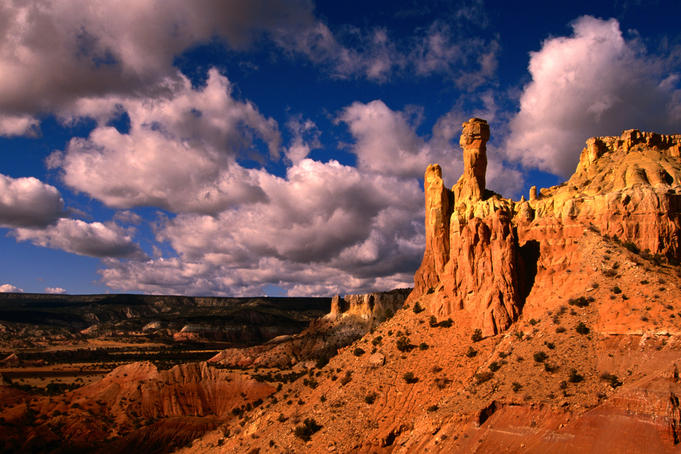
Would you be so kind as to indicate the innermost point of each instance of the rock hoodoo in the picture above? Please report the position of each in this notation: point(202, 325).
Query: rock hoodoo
point(474, 137)
point(472, 254)
point(482, 249)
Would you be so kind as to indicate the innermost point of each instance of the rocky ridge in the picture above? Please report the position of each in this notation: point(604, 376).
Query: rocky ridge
point(350, 318)
point(481, 248)
point(540, 325)
point(139, 406)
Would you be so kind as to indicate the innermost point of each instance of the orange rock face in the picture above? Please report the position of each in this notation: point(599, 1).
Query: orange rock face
point(471, 259)
point(438, 211)
point(626, 187)
point(474, 137)
point(486, 266)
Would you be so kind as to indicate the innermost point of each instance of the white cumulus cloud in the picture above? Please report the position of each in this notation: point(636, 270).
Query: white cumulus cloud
point(93, 239)
point(179, 154)
point(323, 228)
point(103, 48)
point(55, 290)
point(28, 202)
point(9, 288)
point(592, 83)
point(53, 53)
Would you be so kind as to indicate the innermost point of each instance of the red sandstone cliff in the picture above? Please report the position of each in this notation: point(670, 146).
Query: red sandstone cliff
point(477, 257)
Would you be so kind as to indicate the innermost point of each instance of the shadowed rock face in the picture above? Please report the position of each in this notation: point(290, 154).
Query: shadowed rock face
point(628, 187)
point(350, 318)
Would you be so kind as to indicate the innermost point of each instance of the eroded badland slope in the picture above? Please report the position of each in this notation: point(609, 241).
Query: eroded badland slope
point(139, 407)
point(544, 325)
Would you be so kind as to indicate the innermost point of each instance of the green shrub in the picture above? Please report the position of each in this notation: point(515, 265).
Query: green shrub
point(494, 366)
point(377, 340)
point(445, 323)
point(404, 345)
point(581, 328)
point(471, 352)
point(423, 346)
point(482, 377)
point(307, 429)
point(358, 352)
point(417, 308)
point(410, 378)
point(550, 368)
point(581, 301)
point(616, 290)
point(432, 408)
point(477, 335)
point(370, 398)
point(611, 379)
point(574, 377)
point(433, 321)
point(515, 386)
point(442, 382)
point(540, 356)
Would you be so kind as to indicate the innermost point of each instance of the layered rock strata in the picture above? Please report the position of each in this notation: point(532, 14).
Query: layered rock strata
point(627, 187)
point(480, 253)
point(350, 318)
point(375, 306)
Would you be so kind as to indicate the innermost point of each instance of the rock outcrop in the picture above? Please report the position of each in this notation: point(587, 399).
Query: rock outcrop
point(373, 307)
point(472, 255)
point(628, 187)
point(474, 137)
point(482, 249)
point(591, 354)
point(350, 318)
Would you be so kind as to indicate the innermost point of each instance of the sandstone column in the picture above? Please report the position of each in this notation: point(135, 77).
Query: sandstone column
point(438, 210)
point(474, 137)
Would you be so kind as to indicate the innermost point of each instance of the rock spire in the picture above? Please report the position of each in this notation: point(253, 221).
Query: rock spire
point(474, 137)
point(482, 250)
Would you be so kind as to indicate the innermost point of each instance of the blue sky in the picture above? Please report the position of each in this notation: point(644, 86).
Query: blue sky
point(277, 147)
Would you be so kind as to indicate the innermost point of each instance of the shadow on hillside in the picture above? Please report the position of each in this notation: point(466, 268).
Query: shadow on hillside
point(529, 256)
